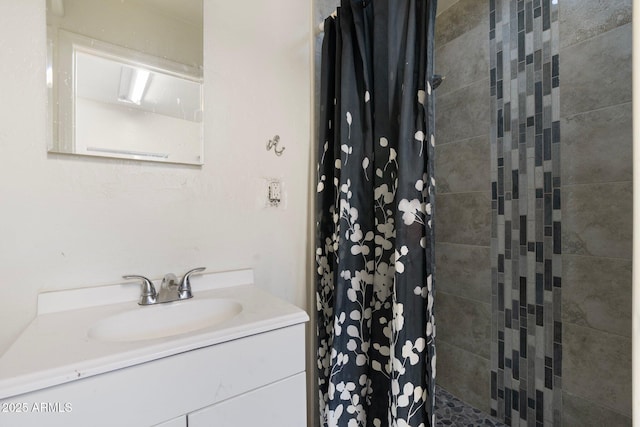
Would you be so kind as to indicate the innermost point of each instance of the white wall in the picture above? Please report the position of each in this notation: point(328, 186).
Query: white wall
point(69, 221)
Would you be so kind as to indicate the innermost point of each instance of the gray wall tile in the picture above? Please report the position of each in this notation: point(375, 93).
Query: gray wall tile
point(525, 153)
point(460, 18)
point(464, 271)
point(464, 218)
point(583, 19)
point(597, 220)
point(464, 374)
point(595, 71)
point(463, 166)
point(467, 324)
point(598, 72)
point(596, 146)
point(579, 412)
point(597, 293)
point(597, 367)
point(463, 113)
point(470, 49)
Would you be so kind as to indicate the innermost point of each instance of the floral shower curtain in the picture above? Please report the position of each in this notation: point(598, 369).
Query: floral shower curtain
point(375, 205)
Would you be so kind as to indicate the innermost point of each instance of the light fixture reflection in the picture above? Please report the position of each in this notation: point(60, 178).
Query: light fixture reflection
point(133, 84)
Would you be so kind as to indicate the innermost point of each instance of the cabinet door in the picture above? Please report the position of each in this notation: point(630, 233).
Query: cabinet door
point(281, 404)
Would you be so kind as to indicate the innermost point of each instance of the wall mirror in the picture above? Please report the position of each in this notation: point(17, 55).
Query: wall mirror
point(125, 79)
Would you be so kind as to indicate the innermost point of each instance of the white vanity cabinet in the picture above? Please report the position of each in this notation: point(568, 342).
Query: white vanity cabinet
point(247, 371)
point(252, 381)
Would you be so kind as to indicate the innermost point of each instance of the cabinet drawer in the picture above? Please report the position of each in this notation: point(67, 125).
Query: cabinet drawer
point(280, 404)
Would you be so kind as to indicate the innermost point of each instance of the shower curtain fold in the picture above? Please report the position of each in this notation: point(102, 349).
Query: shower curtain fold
point(374, 219)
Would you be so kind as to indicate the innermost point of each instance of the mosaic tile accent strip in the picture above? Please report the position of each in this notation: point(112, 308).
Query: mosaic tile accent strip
point(526, 353)
point(451, 411)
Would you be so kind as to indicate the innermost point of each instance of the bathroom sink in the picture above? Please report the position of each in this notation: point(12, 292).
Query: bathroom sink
point(164, 320)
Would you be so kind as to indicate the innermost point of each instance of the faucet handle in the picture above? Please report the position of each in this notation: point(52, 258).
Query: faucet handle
point(184, 290)
point(148, 292)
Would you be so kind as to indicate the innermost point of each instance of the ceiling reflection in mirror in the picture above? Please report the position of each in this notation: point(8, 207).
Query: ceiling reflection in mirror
point(125, 79)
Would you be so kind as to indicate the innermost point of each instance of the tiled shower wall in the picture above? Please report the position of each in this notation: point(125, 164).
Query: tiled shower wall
point(463, 219)
point(595, 116)
point(595, 170)
point(526, 342)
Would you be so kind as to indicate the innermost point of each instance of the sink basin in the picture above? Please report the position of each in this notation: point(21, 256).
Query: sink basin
point(164, 320)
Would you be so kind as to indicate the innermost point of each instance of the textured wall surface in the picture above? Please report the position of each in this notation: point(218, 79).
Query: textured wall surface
point(526, 353)
point(69, 222)
point(463, 219)
point(593, 270)
point(595, 116)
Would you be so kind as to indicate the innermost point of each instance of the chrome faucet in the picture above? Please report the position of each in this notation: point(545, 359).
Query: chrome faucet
point(148, 292)
point(170, 289)
point(184, 290)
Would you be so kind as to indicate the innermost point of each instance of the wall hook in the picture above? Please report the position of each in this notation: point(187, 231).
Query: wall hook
point(273, 143)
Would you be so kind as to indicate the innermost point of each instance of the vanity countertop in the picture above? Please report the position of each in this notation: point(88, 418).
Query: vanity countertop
point(56, 348)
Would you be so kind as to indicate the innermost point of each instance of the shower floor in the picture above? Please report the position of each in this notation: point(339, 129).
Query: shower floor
point(451, 411)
